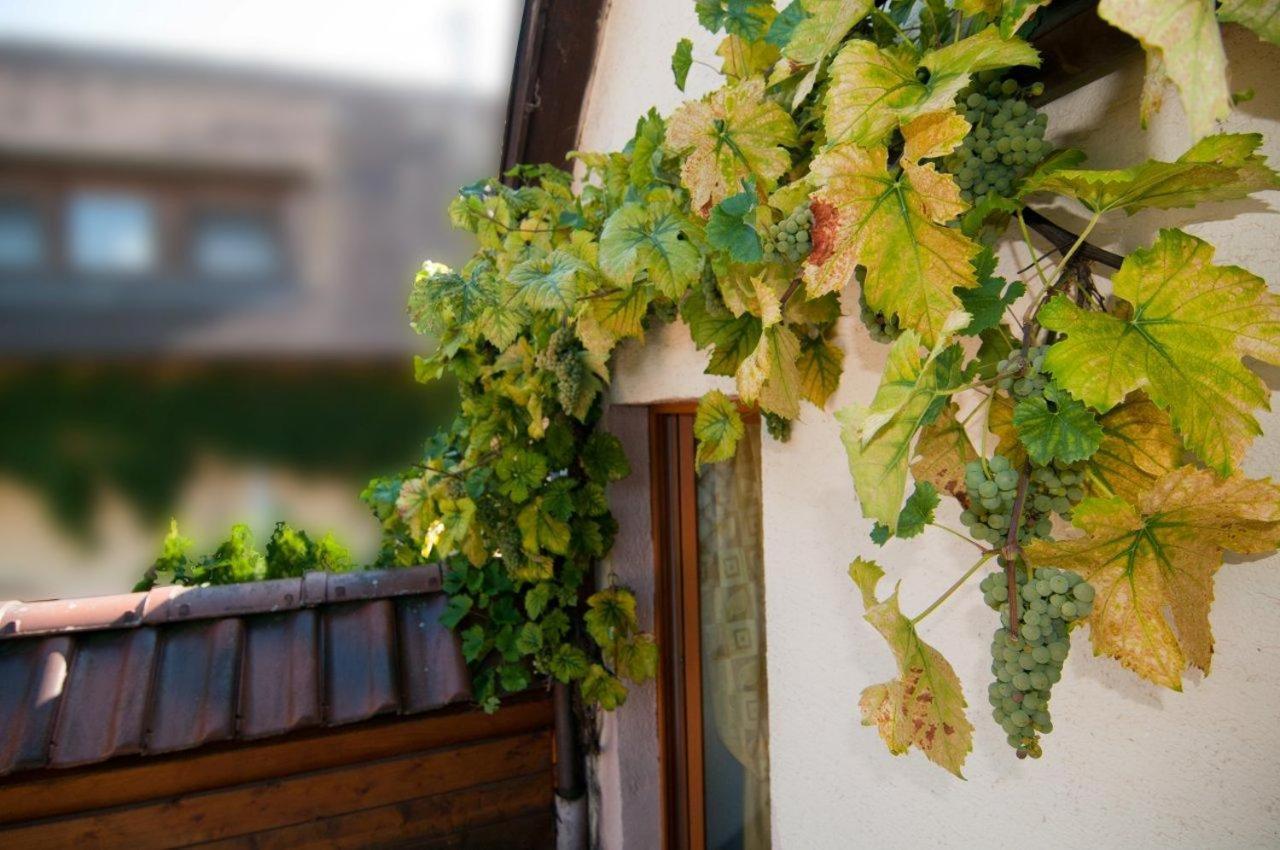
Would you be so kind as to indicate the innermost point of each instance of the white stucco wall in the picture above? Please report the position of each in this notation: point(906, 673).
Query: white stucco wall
point(1128, 764)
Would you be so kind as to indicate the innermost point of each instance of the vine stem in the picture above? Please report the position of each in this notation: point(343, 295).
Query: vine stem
point(946, 594)
point(964, 537)
point(1012, 549)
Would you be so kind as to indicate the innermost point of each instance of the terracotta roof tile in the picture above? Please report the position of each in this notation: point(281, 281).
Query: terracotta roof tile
point(174, 668)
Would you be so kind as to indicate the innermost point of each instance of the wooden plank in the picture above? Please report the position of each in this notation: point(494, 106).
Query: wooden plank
point(253, 808)
point(58, 792)
point(420, 819)
point(531, 832)
point(691, 639)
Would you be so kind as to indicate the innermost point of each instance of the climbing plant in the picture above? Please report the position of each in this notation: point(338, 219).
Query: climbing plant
point(871, 159)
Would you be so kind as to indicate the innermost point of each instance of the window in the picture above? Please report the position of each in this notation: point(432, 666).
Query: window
point(713, 690)
point(112, 232)
point(235, 245)
point(21, 237)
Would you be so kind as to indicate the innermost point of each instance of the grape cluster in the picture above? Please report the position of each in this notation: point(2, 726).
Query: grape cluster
point(779, 427)
point(881, 327)
point(561, 358)
point(789, 238)
point(1005, 140)
point(1023, 376)
point(1027, 666)
point(993, 487)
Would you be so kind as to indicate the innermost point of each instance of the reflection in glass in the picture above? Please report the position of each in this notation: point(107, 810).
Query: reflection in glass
point(735, 695)
point(238, 245)
point(21, 240)
point(113, 232)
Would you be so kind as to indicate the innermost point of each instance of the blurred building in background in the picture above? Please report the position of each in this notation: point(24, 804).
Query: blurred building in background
point(203, 270)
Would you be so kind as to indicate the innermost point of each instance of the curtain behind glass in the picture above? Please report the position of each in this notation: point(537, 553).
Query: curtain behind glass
point(735, 693)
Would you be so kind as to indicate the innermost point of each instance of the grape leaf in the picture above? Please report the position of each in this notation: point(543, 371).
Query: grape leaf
point(731, 337)
point(551, 282)
point(747, 18)
point(599, 686)
point(611, 316)
point(742, 59)
point(1000, 423)
point(1261, 16)
point(603, 458)
point(1163, 552)
point(682, 61)
point(718, 428)
point(637, 657)
point(540, 530)
point(769, 375)
point(730, 226)
point(732, 135)
point(1183, 45)
point(1055, 426)
point(925, 706)
point(894, 227)
point(642, 238)
point(987, 301)
point(646, 149)
point(820, 364)
point(820, 32)
point(875, 90)
point(914, 516)
point(877, 439)
point(942, 452)
point(1217, 168)
point(1138, 447)
point(611, 615)
point(1191, 323)
point(783, 26)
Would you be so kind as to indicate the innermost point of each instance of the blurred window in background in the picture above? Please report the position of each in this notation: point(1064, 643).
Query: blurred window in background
point(241, 245)
point(112, 233)
point(21, 235)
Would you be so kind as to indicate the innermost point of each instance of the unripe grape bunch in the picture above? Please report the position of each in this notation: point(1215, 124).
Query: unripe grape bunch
point(1026, 667)
point(1005, 141)
point(992, 488)
point(882, 328)
point(789, 239)
point(561, 359)
point(1023, 376)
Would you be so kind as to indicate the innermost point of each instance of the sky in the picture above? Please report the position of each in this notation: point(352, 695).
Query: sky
point(459, 44)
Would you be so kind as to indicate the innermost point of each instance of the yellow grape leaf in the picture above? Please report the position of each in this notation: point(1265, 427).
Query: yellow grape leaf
point(769, 375)
point(820, 365)
point(875, 90)
point(924, 706)
point(718, 427)
point(1224, 167)
point(1138, 447)
point(814, 38)
point(894, 226)
point(1192, 322)
point(1183, 44)
point(942, 452)
point(1261, 16)
point(732, 135)
point(1000, 423)
point(744, 58)
point(1162, 552)
point(608, 317)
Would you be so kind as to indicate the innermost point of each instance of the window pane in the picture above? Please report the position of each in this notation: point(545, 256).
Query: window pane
point(112, 232)
point(21, 240)
point(735, 716)
point(235, 245)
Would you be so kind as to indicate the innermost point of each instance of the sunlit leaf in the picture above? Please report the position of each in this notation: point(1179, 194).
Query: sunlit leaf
point(821, 363)
point(1138, 447)
point(769, 376)
point(1261, 16)
point(942, 451)
point(682, 61)
point(1054, 426)
point(718, 427)
point(636, 238)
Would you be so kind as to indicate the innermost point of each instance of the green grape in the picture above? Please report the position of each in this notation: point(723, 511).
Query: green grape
point(1027, 666)
point(789, 239)
point(1004, 143)
point(882, 328)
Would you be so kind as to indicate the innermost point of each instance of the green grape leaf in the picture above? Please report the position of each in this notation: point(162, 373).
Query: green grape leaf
point(638, 238)
point(821, 363)
point(769, 375)
point(718, 428)
point(1055, 426)
point(1261, 16)
point(457, 608)
point(742, 59)
point(1015, 13)
point(1217, 168)
point(915, 515)
point(878, 438)
point(730, 227)
point(599, 686)
point(1162, 552)
point(924, 706)
point(942, 451)
point(746, 18)
point(1191, 324)
point(987, 302)
point(894, 226)
point(611, 616)
point(1139, 446)
point(1183, 45)
point(783, 26)
point(473, 644)
point(875, 90)
point(818, 34)
point(682, 61)
point(520, 473)
point(568, 663)
point(637, 658)
point(646, 149)
point(536, 599)
point(732, 135)
point(552, 282)
point(732, 338)
point(541, 531)
point(603, 458)
point(612, 316)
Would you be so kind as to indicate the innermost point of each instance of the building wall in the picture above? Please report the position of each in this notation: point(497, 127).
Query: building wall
point(1128, 764)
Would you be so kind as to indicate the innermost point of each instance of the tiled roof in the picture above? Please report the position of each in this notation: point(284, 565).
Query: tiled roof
point(85, 680)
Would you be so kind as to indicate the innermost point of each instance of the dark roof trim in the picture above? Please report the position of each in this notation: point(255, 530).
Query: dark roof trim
point(1077, 47)
point(181, 604)
point(554, 57)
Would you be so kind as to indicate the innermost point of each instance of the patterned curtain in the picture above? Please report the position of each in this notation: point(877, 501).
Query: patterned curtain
point(730, 565)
